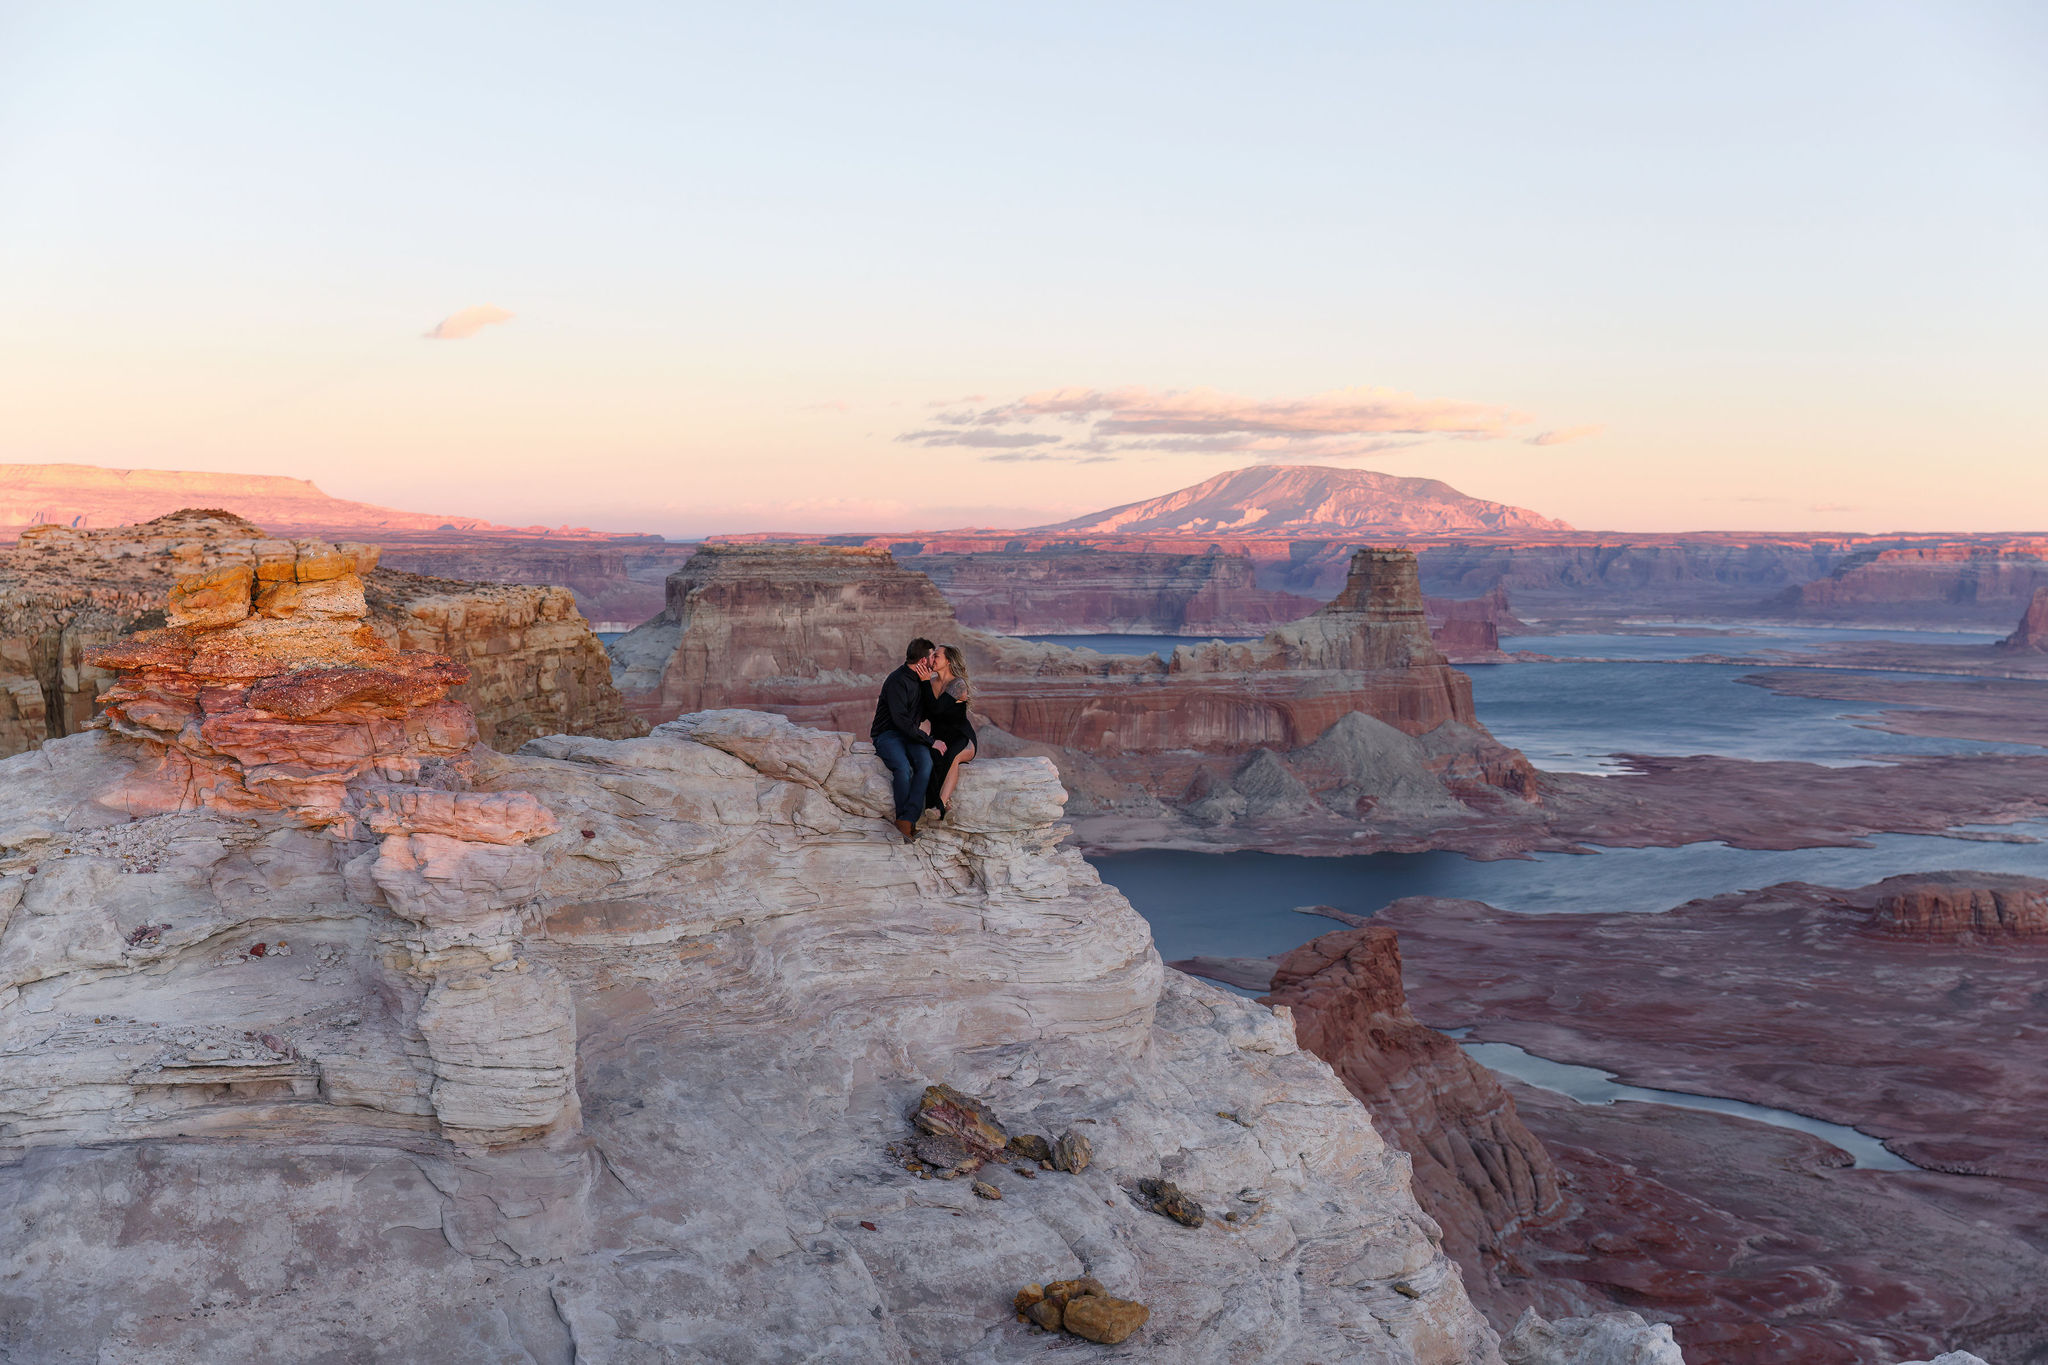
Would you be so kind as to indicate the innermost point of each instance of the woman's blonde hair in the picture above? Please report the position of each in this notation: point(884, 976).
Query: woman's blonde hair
point(957, 661)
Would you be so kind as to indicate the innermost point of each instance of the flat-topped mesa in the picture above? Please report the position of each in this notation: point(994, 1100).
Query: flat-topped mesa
point(805, 630)
point(1959, 907)
point(268, 690)
point(2032, 632)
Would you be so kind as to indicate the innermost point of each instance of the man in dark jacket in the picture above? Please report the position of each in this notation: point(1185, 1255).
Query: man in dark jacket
point(902, 735)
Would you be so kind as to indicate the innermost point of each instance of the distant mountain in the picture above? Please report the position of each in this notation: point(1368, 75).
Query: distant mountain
point(1311, 500)
point(88, 495)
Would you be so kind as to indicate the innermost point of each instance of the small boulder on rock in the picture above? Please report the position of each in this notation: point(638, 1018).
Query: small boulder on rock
point(945, 1112)
point(1166, 1198)
point(1072, 1153)
point(1084, 1308)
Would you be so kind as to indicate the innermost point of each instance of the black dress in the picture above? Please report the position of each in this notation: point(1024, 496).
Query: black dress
point(949, 723)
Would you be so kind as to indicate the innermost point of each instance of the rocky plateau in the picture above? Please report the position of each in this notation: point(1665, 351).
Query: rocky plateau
point(330, 1033)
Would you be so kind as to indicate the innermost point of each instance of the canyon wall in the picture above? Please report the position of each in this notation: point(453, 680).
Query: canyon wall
point(535, 668)
point(328, 1030)
point(1955, 582)
point(1478, 1170)
point(1347, 724)
point(618, 585)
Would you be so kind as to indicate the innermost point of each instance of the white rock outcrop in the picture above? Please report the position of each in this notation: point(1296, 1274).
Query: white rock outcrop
point(258, 1079)
point(1604, 1339)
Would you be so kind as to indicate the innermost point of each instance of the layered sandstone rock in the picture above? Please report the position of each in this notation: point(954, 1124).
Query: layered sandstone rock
point(535, 667)
point(1088, 592)
point(1478, 1171)
point(1959, 906)
point(1349, 715)
point(599, 1048)
point(2032, 632)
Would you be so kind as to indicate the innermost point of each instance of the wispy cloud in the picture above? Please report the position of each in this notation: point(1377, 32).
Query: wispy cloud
point(987, 440)
point(1563, 434)
point(1103, 424)
point(467, 323)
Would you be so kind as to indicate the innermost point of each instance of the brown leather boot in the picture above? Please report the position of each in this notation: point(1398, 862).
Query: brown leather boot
point(907, 830)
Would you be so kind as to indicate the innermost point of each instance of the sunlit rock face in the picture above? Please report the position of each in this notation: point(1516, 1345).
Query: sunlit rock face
point(1348, 717)
point(605, 1043)
point(534, 666)
point(1095, 591)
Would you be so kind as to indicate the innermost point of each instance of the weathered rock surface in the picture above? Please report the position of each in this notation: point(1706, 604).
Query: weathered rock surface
point(1606, 1339)
point(1479, 1172)
point(1346, 725)
point(596, 1050)
point(535, 668)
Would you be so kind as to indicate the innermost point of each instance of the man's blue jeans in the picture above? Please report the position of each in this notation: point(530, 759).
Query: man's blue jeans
point(910, 772)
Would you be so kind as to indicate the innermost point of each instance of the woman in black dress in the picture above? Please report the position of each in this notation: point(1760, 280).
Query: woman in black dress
point(951, 693)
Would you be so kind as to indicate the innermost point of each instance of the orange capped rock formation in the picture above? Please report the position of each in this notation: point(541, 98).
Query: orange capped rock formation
point(535, 668)
point(1959, 907)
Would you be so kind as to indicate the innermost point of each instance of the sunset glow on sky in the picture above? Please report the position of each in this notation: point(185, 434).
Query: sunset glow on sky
point(690, 268)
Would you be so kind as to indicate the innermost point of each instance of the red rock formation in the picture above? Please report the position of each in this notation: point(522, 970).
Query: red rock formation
point(1959, 907)
point(1478, 1171)
point(535, 666)
point(1054, 592)
point(1467, 629)
point(269, 691)
point(618, 583)
point(2032, 631)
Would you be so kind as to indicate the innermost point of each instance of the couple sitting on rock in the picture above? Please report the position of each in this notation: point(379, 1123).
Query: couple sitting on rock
point(921, 730)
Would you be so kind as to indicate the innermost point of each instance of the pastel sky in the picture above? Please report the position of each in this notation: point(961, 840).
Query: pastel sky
point(692, 267)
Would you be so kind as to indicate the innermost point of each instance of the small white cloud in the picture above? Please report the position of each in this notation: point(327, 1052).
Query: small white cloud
point(1563, 434)
point(467, 323)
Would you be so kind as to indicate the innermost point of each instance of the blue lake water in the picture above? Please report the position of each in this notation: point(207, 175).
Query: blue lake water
point(1684, 642)
point(1589, 1085)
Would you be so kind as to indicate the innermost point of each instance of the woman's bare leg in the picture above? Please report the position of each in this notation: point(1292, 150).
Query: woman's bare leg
point(953, 776)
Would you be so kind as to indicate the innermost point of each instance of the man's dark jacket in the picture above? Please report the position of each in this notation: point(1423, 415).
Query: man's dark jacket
point(904, 705)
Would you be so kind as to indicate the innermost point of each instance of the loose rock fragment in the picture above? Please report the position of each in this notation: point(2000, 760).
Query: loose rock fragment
point(945, 1112)
point(1099, 1317)
point(986, 1190)
point(1165, 1197)
point(947, 1155)
point(1072, 1153)
point(1031, 1147)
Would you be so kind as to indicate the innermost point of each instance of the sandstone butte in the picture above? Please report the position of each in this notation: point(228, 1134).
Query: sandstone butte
point(326, 1028)
point(1348, 725)
point(533, 665)
point(2032, 632)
